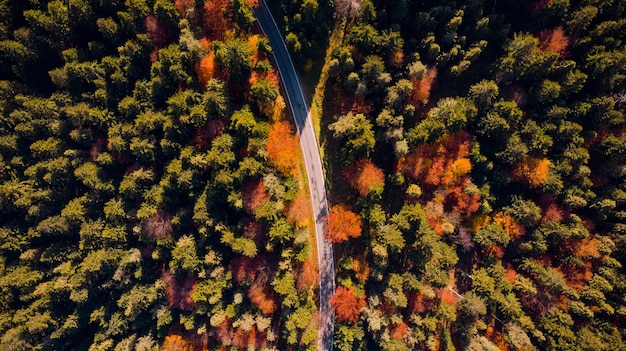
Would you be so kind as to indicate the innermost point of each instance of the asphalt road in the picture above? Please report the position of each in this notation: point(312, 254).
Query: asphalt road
point(315, 172)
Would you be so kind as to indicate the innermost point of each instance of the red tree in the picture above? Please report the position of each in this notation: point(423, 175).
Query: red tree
point(176, 343)
point(308, 274)
point(256, 270)
point(300, 211)
point(178, 292)
point(283, 148)
point(346, 305)
point(214, 17)
point(554, 40)
point(183, 5)
point(158, 225)
point(364, 176)
point(421, 87)
point(255, 231)
point(553, 213)
point(399, 331)
point(254, 193)
point(342, 224)
point(533, 171)
point(463, 201)
point(159, 34)
point(261, 295)
point(206, 69)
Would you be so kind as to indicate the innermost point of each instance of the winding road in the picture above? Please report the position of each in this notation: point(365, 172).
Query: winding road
point(315, 173)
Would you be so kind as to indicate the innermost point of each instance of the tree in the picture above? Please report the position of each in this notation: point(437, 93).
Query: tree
point(492, 234)
point(300, 211)
point(365, 177)
point(348, 8)
point(214, 17)
point(176, 342)
point(264, 93)
point(532, 171)
point(242, 13)
point(283, 148)
point(184, 256)
point(554, 40)
point(375, 78)
point(422, 83)
point(342, 224)
point(526, 212)
point(358, 131)
point(234, 57)
point(206, 69)
point(158, 225)
point(346, 305)
point(484, 93)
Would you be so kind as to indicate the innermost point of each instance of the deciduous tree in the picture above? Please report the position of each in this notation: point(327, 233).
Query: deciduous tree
point(283, 148)
point(364, 177)
point(554, 40)
point(533, 171)
point(342, 224)
point(346, 305)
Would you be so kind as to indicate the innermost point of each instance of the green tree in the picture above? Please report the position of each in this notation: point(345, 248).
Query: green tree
point(357, 130)
point(233, 57)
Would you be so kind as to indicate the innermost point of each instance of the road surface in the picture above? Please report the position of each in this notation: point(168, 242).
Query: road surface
point(315, 173)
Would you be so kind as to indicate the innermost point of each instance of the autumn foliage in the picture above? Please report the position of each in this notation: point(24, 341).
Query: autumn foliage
point(364, 176)
point(444, 168)
point(441, 163)
point(309, 274)
point(176, 343)
point(283, 148)
point(254, 193)
point(158, 225)
point(342, 224)
point(300, 210)
point(214, 17)
point(512, 228)
point(205, 135)
point(361, 268)
point(182, 6)
point(256, 270)
point(253, 42)
point(463, 201)
point(250, 339)
point(206, 69)
point(553, 213)
point(554, 40)
point(346, 305)
point(178, 292)
point(399, 331)
point(255, 231)
point(261, 295)
point(448, 296)
point(422, 86)
point(156, 31)
point(271, 76)
point(533, 171)
point(588, 248)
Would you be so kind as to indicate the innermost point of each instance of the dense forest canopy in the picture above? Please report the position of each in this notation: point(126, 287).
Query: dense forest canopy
point(152, 194)
point(481, 147)
point(151, 188)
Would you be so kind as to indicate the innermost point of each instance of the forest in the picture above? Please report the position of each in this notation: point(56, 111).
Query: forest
point(153, 195)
